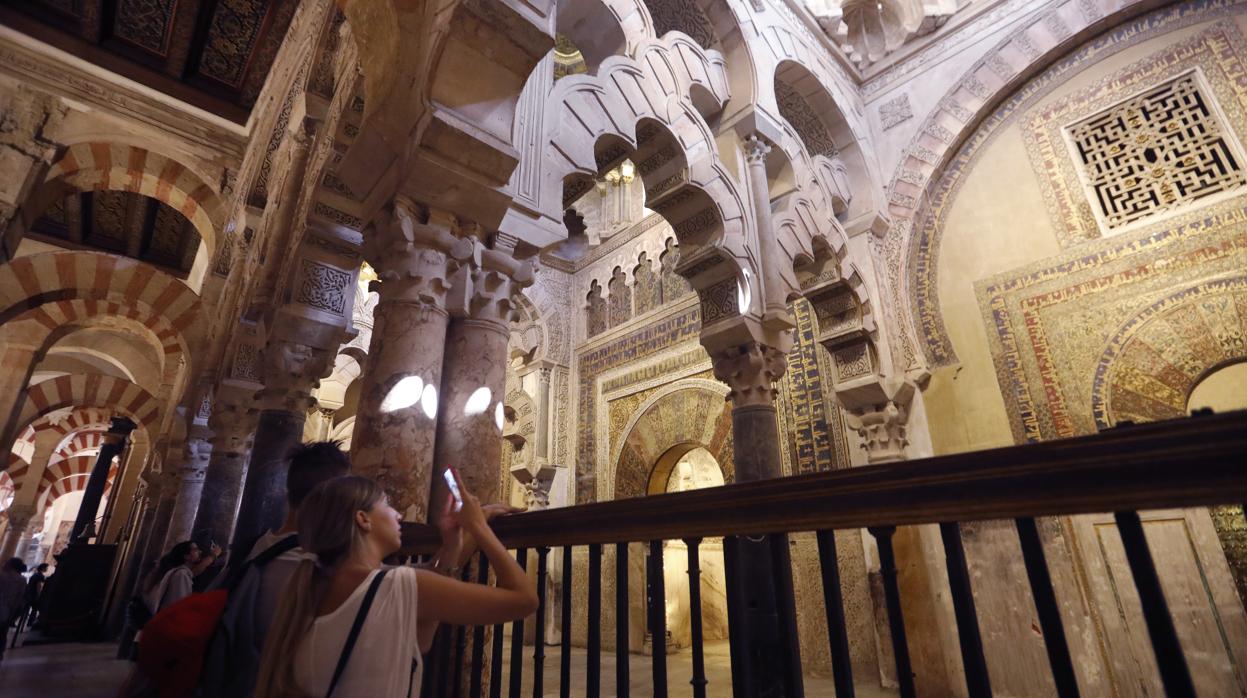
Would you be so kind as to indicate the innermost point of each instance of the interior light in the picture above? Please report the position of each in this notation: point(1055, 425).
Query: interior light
point(428, 401)
point(499, 416)
point(404, 394)
point(478, 401)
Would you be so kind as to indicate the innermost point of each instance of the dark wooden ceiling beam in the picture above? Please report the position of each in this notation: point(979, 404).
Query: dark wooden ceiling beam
point(106, 59)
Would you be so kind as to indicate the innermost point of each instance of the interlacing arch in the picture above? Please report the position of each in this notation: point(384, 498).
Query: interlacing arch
point(92, 391)
point(120, 167)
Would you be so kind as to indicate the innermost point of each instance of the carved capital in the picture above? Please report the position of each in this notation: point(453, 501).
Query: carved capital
point(536, 485)
point(756, 150)
point(882, 431)
point(232, 424)
point(20, 515)
point(415, 254)
point(750, 370)
point(291, 371)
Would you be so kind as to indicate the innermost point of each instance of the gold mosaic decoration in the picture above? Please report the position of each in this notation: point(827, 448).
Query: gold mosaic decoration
point(1155, 152)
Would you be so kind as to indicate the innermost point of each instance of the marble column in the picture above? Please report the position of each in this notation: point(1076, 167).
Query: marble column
point(771, 257)
point(233, 422)
point(766, 658)
point(474, 376)
point(20, 516)
point(190, 479)
point(114, 443)
point(162, 488)
point(414, 253)
point(545, 413)
point(291, 370)
point(750, 372)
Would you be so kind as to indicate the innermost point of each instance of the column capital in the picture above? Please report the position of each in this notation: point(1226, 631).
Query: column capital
point(20, 515)
point(536, 484)
point(756, 149)
point(415, 252)
point(291, 370)
point(232, 421)
point(750, 371)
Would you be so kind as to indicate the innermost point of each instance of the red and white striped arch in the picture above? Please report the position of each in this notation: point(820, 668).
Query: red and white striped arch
point(73, 483)
point(77, 420)
point(42, 281)
point(119, 167)
point(89, 440)
point(92, 390)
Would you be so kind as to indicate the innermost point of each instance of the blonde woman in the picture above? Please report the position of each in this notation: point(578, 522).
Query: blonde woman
point(349, 525)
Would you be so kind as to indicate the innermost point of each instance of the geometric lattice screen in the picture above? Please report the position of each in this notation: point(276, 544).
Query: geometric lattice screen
point(1155, 152)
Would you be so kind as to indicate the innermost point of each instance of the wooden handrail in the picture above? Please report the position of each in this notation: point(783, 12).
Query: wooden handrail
point(1196, 461)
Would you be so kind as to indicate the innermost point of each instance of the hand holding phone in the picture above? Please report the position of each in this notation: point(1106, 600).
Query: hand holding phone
point(452, 481)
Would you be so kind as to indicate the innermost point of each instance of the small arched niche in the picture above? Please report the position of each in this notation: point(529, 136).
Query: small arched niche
point(1223, 390)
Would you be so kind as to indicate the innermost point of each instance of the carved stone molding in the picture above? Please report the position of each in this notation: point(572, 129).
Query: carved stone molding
point(883, 431)
point(415, 253)
point(290, 371)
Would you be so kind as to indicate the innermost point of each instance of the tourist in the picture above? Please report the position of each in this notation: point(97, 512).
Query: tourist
point(174, 576)
point(34, 590)
point(350, 527)
point(12, 597)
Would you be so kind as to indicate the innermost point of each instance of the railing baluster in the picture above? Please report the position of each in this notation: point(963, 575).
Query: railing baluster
point(621, 621)
point(833, 604)
point(1045, 605)
point(478, 635)
point(694, 614)
point(892, 597)
point(539, 627)
point(495, 668)
point(1174, 673)
point(565, 628)
point(517, 638)
point(461, 646)
point(657, 596)
point(977, 681)
point(593, 667)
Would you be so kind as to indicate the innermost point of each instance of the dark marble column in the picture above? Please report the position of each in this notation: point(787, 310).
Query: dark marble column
point(232, 423)
point(291, 371)
point(114, 443)
point(766, 658)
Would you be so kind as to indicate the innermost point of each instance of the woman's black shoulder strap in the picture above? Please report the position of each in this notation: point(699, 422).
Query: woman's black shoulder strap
point(355, 628)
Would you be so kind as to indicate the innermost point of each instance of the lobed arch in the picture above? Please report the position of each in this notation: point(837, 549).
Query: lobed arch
point(987, 86)
point(689, 413)
point(78, 442)
point(115, 166)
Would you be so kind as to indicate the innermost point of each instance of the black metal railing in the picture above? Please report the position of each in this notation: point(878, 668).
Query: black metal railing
point(1180, 463)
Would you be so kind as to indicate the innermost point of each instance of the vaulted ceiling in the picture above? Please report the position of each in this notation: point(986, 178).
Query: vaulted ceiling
point(214, 54)
point(122, 223)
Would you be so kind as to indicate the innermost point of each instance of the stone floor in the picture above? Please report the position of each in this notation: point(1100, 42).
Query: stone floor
point(679, 672)
point(91, 671)
point(70, 670)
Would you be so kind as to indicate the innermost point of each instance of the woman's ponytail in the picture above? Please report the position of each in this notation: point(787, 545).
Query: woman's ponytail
point(294, 616)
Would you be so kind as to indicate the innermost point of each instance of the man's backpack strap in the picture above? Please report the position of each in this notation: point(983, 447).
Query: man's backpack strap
point(235, 572)
point(355, 628)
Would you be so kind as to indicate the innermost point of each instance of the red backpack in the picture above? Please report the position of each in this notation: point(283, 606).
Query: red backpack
point(174, 642)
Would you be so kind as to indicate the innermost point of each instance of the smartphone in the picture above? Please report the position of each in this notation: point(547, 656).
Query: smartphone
point(453, 484)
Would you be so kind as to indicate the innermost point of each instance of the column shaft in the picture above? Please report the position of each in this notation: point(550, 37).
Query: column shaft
point(19, 519)
point(221, 495)
point(474, 376)
point(190, 487)
point(116, 441)
point(393, 443)
point(264, 498)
